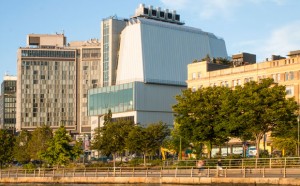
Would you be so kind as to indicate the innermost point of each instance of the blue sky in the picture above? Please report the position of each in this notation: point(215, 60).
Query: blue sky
point(261, 27)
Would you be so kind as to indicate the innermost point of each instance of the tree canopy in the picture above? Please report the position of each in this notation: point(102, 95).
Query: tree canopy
point(110, 139)
point(203, 115)
point(147, 140)
point(6, 147)
point(39, 141)
point(214, 114)
point(60, 151)
point(262, 107)
point(21, 150)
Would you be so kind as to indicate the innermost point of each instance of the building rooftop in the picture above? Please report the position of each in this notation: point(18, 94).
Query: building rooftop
point(158, 14)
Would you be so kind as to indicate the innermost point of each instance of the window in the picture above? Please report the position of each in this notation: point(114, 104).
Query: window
point(194, 75)
point(199, 75)
point(239, 82)
point(226, 84)
point(289, 90)
point(289, 76)
point(193, 89)
point(234, 83)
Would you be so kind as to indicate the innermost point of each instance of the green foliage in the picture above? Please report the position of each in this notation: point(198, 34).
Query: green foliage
point(264, 154)
point(173, 141)
point(6, 147)
point(110, 139)
point(288, 144)
point(147, 140)
point(211, 115)
point(29, 166)
point(76, 150)
point(59, 151)
point(203, 115)
point(136, 162)
point(206, 58)
point(261, 108)
point(39, 141)
point(223, 61)
point(21, 150)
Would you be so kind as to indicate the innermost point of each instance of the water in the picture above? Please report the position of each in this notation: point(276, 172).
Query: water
point(145, 184)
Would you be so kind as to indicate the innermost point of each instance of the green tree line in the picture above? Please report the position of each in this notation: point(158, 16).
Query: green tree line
point(206, 117)
point(213, 115)
point(123, 135)
point(56, 149)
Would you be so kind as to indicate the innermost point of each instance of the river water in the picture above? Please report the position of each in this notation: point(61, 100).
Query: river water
point(100, 184)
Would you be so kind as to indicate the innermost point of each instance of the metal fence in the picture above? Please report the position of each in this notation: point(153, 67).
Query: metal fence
point(257, 163)
point(263, 167)
point(153, 172)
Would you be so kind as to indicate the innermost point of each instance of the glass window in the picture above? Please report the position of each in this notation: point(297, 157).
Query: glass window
point(289, 90)
point(199, 75)
point(291, 75)
point(194, 75)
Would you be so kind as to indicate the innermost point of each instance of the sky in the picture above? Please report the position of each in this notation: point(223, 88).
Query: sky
point(261, 27)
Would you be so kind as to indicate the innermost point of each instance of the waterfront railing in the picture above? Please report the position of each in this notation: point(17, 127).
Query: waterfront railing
point(240, 168)
point(152, 172)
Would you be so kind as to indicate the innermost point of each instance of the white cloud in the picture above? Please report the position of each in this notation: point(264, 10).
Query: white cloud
point(283, 39)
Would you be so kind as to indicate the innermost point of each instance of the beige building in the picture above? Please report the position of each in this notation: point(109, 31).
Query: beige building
point(88, 77)
point(285, 71)
point(53, 79)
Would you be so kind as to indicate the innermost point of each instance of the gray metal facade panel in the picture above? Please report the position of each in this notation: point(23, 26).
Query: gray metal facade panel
point(168, 51)
point(155, 98)
point(217, 47)
point(146, 118)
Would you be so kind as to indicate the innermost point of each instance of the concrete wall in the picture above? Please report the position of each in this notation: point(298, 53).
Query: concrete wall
point(154, 180)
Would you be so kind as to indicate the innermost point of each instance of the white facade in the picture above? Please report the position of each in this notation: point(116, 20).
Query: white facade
point(153, 50)
point(158, 52)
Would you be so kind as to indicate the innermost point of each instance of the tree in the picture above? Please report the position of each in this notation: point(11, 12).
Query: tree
point(110, 139)
point(206, 58)
point(60, 151)
point(175, 141)
point(203, 116)
point(39, 141)
point(288, 144)
point(261, 108)
point(147, 140)
point(21, 150)
point(6, 147)
point(76, 150)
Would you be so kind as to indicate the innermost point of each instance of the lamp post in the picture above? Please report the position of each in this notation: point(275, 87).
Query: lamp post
point(180, 155)
point(298, 135)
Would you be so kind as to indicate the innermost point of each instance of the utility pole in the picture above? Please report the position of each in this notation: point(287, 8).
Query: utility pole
point(298, 136)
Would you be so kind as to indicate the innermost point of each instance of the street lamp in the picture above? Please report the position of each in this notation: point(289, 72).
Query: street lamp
point(298, 118)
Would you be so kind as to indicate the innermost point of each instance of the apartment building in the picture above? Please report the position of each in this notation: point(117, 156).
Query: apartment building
point(8, 103)
point(53, 79)
point(285, 71)
point(88, 76)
